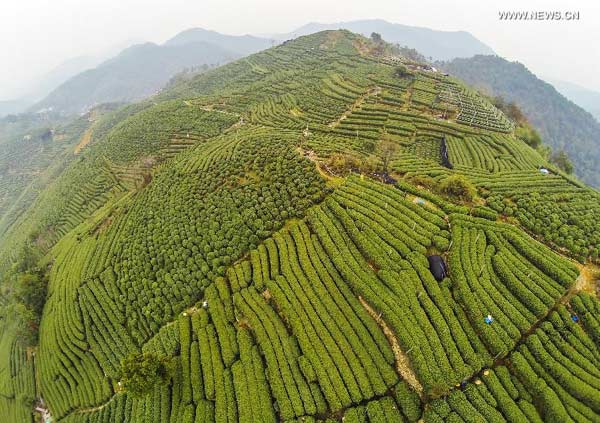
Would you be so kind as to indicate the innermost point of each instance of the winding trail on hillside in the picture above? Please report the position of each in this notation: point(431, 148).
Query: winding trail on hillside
point(85, 140)
point(92, 409)
point(403, 365)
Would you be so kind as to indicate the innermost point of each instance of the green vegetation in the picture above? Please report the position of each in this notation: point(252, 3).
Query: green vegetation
point(458, 187)
point(28, 301)
point(140, 373)
point(251, 246)
point(549, 377)
point(561, 160)
point(563, 125)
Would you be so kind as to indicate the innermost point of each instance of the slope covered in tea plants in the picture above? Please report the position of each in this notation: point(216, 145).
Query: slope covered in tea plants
point(264, 228)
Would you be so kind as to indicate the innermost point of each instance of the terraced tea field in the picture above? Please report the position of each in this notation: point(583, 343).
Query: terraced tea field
point(210, 227)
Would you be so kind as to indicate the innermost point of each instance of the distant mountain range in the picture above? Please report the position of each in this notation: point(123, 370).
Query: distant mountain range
point(143, 69)
point(588, 99)
point(241, 45)
point(137, 72)
point(47, 83)
point(563, 124)
point(438, 45)
point(62, 73)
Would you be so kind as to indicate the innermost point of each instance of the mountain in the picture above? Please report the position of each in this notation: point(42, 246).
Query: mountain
point(44, 85)
point(440, 45)
point(324, 231)
point(562, 124)
point(143, 69)
point(583, 97)
point(60, 74)
point(135, 73)
point(241, 45)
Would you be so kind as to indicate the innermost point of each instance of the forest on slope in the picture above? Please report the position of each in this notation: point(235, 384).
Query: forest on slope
point(252, 245)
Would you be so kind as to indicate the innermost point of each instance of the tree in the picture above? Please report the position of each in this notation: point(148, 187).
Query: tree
point(140, 372)
point(27, 324)
point(544, 150)
point(343, 162)
point(410, 53)
point(28, 256)
point(31, 291)
point(459, 187)
point(386, 150)
point(369, 164)
point(402, 71)
point(562, 160)
point(422, 180)
point(376, 37)
point(529, 135)
point(29, 297)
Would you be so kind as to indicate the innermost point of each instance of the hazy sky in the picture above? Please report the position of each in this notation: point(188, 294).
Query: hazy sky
point(37, 35)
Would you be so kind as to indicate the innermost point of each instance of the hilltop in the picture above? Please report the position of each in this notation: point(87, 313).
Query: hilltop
point(439, 45)
point(258, 238)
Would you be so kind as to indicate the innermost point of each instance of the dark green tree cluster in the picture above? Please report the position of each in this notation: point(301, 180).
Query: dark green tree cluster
point(27, 297)
point(141, 372)
point(562, 160)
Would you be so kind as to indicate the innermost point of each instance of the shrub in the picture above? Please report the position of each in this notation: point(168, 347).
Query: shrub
point(458, 187)
point(140, 372)
point(422, 180)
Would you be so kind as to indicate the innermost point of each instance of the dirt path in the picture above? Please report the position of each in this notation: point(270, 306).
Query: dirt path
point(235, 126)
point(403, 365)
point(85, 140)
point(359, 101)
point(332, 179)
point(93, 409)
point(580, 282)
point(209, 108)
point(46, 416)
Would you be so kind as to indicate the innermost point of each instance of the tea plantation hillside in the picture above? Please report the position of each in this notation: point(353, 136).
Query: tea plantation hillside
point(252, 245)
point(34, 149)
